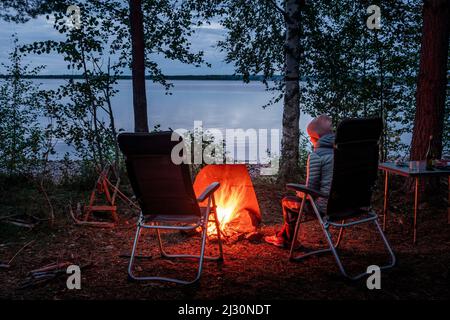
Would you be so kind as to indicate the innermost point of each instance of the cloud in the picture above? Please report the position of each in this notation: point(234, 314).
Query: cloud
point(211, 26)
point(40, 29)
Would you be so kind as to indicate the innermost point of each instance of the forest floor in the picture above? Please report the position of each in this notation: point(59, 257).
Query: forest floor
point(251, 270)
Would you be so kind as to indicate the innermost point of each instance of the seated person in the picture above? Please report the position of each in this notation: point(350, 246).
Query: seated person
point(318, 177)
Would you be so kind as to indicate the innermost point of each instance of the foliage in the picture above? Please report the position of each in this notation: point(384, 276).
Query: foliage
point(23, 10)
point(168, 26)
point(305, 149)
point(347, 70)
point(100, 51)
point(357, 72)
point(24, 143)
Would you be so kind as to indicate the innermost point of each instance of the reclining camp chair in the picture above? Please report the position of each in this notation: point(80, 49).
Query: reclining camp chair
point(355, 170)
point(165, 194)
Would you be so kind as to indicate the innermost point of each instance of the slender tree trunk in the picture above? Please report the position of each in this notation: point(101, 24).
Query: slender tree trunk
point(432, 80)
point(291, 111)
point(111, 116)
point(15, 123)
point(138, 66)
point(97, 138)
point(383, 112)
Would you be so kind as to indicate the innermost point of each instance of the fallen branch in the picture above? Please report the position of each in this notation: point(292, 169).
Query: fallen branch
point(89, 223)
point(36, 281)
point(9, 216)
point(20, 223)
point(50, 267)
point(47, 273)
point(8, 264)
point(21, 249)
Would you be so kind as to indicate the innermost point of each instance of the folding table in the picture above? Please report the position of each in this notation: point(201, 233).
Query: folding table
point(405, 171)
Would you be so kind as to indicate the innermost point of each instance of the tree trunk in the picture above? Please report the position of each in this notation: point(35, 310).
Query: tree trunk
point(138, 66)
point(291, 110)
point(112, 123)
point(91, 98)
point(432, 80)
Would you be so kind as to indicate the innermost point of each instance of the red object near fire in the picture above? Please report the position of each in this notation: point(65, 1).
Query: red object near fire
point(237, 206)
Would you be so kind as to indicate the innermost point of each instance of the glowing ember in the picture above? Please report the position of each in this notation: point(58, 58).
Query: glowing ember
point(237, 206)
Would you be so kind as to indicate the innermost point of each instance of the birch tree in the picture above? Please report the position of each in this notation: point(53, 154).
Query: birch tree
point(263, 37)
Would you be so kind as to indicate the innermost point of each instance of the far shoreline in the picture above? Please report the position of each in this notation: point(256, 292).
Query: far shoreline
point(149, 77)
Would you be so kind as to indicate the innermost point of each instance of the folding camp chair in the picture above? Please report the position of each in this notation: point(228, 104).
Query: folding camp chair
point(165, 194)
point(355, 170)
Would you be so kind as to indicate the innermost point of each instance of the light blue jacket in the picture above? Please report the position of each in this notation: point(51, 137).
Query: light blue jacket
point(320, 169)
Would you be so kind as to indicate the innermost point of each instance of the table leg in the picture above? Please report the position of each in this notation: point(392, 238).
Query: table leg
point(385, 209)
point(416, 204)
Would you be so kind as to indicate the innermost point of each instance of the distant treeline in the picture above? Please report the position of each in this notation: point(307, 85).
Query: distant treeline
point(173, 77)
point(178, 77)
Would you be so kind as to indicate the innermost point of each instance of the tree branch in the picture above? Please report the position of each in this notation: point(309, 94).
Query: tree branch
point(277, 7)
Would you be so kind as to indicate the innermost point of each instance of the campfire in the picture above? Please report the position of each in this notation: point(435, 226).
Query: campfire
point(237, 206)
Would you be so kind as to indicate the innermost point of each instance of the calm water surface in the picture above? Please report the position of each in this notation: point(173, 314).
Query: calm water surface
point(218, 104)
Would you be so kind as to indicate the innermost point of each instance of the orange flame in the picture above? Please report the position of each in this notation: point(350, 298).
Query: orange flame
point(228, 201)
point(236, 204)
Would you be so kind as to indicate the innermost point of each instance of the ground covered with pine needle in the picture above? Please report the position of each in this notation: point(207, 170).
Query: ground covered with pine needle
point(251, 270)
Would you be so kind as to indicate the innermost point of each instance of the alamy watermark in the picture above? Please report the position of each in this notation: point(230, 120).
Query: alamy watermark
point(374, 279)
point(374, 20)
point(74, 278)
point(72, 18)
point(216, 146)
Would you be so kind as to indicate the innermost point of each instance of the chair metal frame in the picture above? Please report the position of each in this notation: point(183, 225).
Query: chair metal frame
point(202, 223)
point(325, 226)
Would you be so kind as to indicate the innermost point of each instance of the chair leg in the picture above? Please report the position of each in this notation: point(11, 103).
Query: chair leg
point(174, 256)
point(202, 252)
point(387, 245)
point(133, 252)
point(201, 257)
point(334, 251)
point(297, 228)
point(333, 247)
point(360, 275)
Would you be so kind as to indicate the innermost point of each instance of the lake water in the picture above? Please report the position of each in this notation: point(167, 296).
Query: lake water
point(218, 104)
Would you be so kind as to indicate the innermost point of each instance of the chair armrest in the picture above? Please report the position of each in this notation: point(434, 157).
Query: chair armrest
point(305, 189)
point(208, 191)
